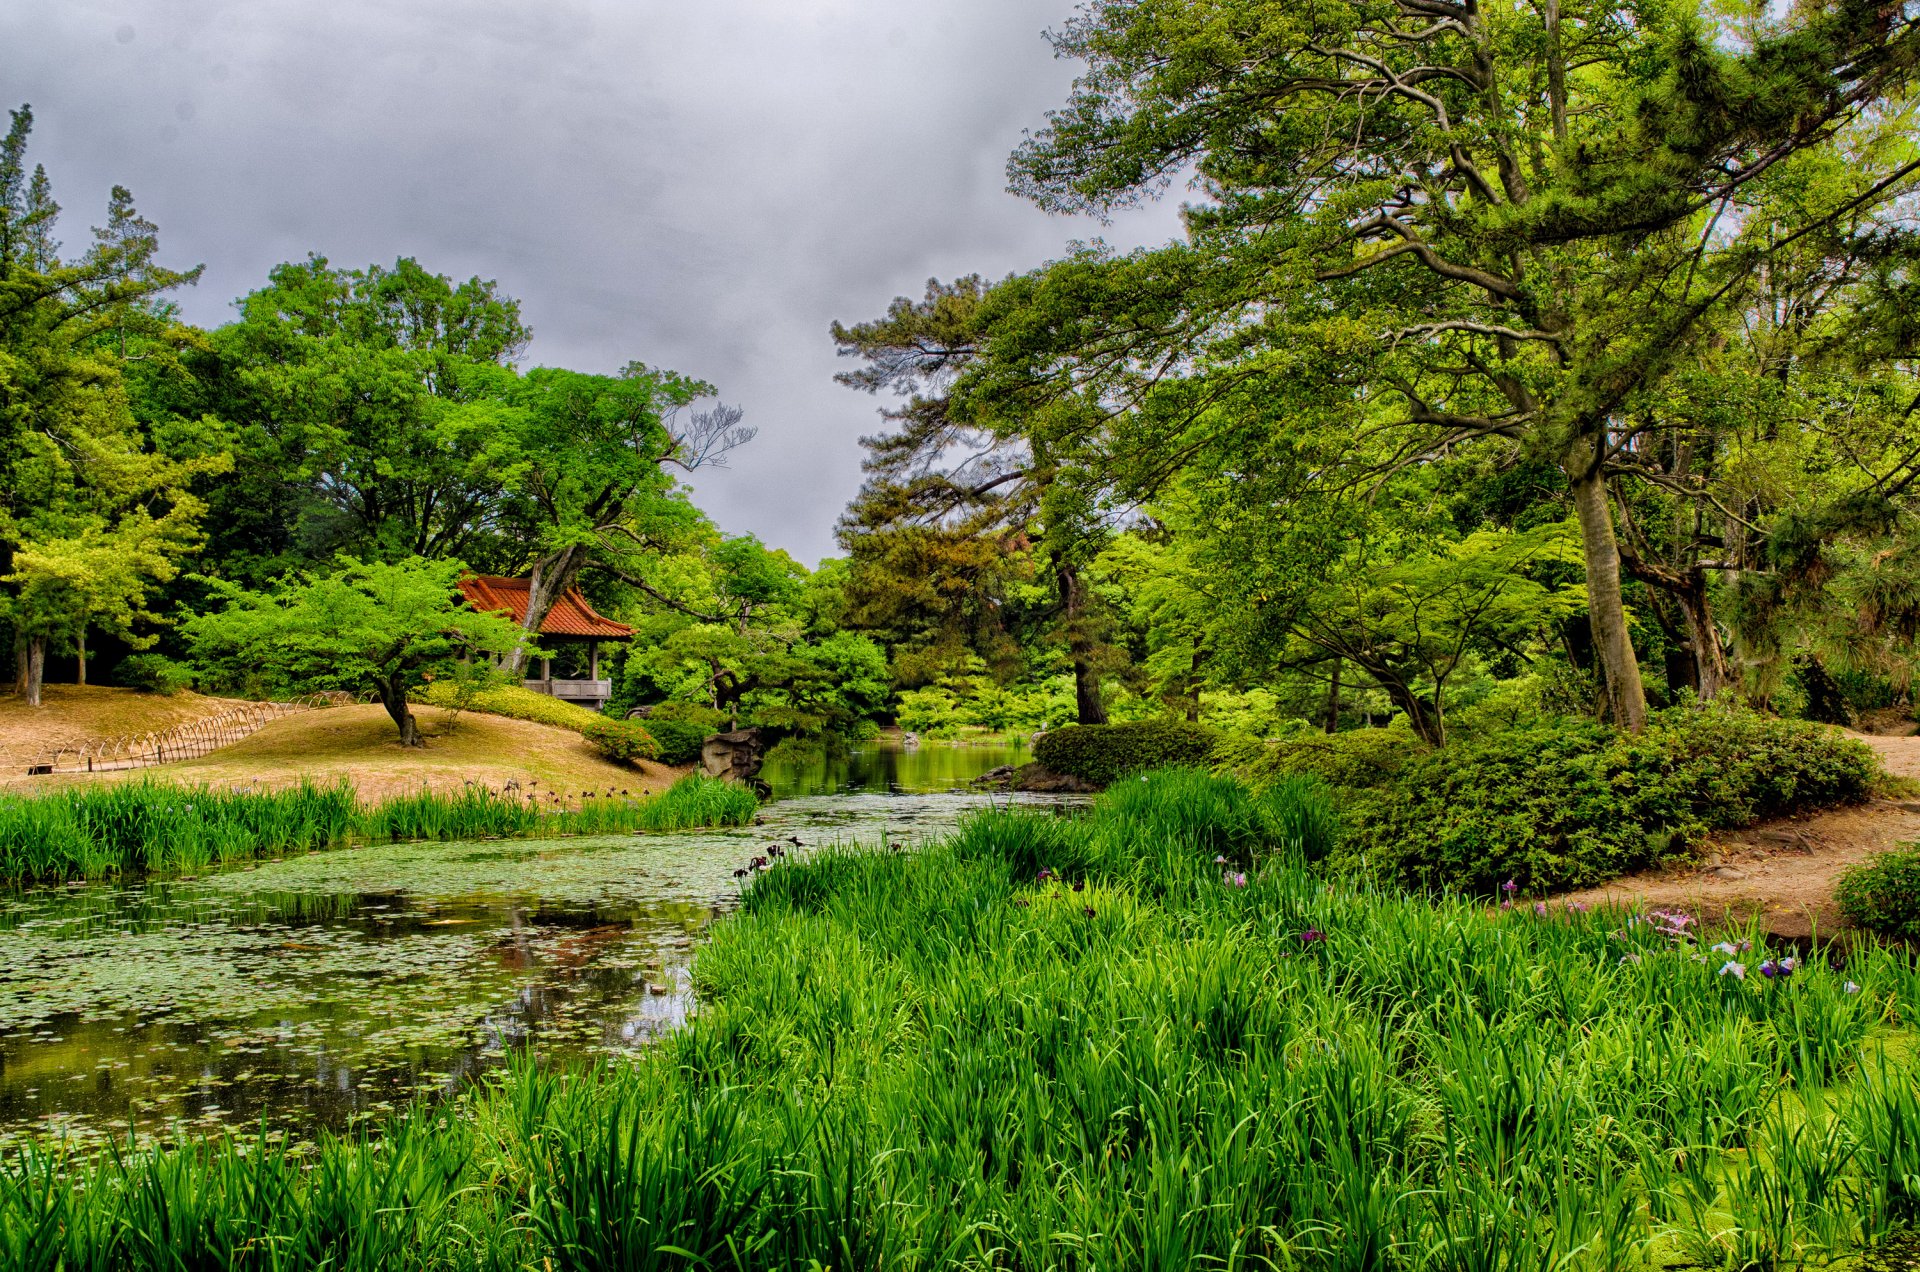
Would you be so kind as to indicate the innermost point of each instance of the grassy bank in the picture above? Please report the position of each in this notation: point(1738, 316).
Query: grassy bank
point(94, 831)
point(1093, 1044)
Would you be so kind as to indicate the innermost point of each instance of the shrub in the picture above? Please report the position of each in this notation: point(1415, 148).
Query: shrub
point(1101, 753)
point(1883, 895)
point(622, 740)
point(680, 740)
point(153, 673)
point(1359, 759)
point(1569, 802)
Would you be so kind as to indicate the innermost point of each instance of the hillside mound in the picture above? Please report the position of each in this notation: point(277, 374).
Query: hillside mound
point(76, 714)
point(359, 743)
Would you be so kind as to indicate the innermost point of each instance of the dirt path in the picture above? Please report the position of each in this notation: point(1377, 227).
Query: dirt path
point(1782, 872)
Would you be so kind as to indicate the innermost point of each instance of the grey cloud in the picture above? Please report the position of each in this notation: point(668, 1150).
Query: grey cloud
point(701, 184)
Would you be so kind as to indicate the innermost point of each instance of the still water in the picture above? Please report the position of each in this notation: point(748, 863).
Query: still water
point(315, 991)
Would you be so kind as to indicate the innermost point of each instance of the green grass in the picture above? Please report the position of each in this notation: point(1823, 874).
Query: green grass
point(697, 800)
point(1084, 1043)
point(94, 831)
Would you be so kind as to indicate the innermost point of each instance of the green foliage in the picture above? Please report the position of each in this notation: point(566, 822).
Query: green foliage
point(1565, 803)
point(1104, 753)
point(680, 741)
point(892, 1057)
point(369, 414)
point(1883, 895)
point(96, 509)
point(153, 673)
point(93, 831)
point(516, 702)
point(1361, 759)
point(623, 741)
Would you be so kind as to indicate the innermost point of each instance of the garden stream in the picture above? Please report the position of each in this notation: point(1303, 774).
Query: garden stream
point(322, 990)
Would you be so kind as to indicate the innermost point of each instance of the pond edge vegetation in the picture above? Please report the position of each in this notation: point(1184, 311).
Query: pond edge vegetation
point(1148, 1037)
point(94, 831)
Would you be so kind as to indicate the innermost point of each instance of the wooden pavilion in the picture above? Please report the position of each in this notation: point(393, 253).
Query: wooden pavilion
point(572, 634)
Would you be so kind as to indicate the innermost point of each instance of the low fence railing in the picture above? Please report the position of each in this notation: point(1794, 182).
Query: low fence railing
point(185, 741)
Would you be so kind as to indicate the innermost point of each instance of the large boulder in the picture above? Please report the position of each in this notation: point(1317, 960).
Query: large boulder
point(736, 756)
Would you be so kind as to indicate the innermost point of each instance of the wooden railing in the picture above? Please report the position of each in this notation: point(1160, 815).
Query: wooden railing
point(186, 741)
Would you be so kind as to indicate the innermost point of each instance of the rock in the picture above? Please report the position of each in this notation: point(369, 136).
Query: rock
point(1725, 872)
point(1041, 780)
point(736, 756)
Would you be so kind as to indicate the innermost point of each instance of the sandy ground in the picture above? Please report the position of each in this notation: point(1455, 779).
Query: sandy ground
point(1782, 872)
point(357, 743)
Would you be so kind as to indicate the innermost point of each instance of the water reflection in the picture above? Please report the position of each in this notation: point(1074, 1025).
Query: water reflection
point(882, 766)
point(317, 990)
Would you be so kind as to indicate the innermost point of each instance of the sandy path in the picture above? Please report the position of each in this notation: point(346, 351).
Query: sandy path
point(1782, 872)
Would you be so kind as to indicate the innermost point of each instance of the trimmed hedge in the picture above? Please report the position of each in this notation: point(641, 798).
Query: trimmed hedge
point(1882, 895)
point(1103, 753)
point(622, 740)
point(516, 703)
point(1569, 802)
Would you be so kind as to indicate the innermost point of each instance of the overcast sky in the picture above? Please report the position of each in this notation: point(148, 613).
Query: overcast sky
point(699, 184)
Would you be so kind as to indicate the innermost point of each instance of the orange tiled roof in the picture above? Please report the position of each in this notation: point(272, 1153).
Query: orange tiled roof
point(570, 615)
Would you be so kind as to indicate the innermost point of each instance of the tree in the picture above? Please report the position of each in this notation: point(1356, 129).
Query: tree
point(365, 627)
point(93, 515)
point(591, 487)
point(370, 413)
point(1464, 225)
point(956, 508)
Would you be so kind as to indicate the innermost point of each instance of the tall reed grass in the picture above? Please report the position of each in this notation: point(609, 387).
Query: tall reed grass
point(1148, 1038)
point(92, 831)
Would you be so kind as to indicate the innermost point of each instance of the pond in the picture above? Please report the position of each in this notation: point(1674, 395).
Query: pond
point(883, 766)
point(320, 990)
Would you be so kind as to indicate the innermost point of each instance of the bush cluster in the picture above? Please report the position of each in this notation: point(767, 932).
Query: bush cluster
point(1883, 895)
point(1359, 759)
point(1103, 753)
point(622, 741)
point(1568, 802)
point(680, 740)
point(153, 673)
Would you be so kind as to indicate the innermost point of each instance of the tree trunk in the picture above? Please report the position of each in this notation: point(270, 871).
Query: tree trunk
point(36, 668)
point(1333, 699)
point(1193, 684)
point(20, 662)
point(552, 576)
point(80, 657)
point(1703, 638)
point(1825, 702)
point(393, 696)
point(1623, 698)
point(1428, 724)
point(1089, 707)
